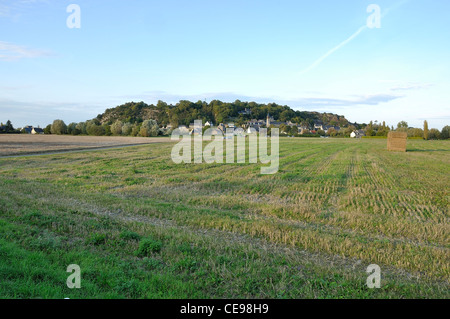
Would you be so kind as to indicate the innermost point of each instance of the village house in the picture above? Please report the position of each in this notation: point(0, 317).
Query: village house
point(27, 129)
point(245, 112)
point(318, 126)
point(196, 131)
point(253, 128)
point(207, 123)
point(271, 121)
point(357, 134)
point(326, 128)
point(303, 129)
point(183, 130)
point(37, 130)
point(222, 128)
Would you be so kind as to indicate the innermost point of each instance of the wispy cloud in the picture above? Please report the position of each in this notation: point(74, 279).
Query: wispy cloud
point(435, 117)
point(311, 102)
point(411, 86)
point(14, 8)
point(13, 52)
point(44, 112)
point(374, 99)
point(4, 10)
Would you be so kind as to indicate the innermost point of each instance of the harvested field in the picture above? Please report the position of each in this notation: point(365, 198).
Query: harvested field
point(141, 226)
point(23, 144)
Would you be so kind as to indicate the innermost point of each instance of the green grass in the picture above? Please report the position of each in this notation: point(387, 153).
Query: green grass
point(141, 226)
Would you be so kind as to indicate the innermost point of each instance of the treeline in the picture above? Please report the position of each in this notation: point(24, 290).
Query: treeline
point(186, 112)
point(381, 129)
point(150, 127)
point(94, 127)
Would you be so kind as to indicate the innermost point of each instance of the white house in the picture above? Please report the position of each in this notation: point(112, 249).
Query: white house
point(357, 134)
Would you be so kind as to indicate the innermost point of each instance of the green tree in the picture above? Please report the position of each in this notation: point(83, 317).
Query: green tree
point(9, 127)
point(116, 128)
point(149, 128)
point(434, 134)
point(161, 105)
point(81, 127)
point(48, 129)
point(107, 129)
point(370, 129)
point(135, 129)
point(72, 129)
point(93, 128)
point(425, 130)
point(445, 134)
point(415, 132)
point(59, 127)
point(126, 129)
point(402, 126)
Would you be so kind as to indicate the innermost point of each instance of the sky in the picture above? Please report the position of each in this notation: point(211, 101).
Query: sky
point(311, 55)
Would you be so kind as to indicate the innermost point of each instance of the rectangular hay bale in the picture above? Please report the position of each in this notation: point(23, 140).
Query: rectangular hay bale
point(397, 141)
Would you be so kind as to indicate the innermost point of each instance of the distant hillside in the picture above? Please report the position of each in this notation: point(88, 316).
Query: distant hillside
point(185, 112)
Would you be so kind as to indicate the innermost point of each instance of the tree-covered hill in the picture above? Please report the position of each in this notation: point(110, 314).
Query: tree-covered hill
point(185, 112)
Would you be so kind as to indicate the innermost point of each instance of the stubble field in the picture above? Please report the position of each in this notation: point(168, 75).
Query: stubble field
point(140, 226)
point(23, 144)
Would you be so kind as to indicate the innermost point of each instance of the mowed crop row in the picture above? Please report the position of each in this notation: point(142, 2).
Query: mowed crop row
point(345, 201)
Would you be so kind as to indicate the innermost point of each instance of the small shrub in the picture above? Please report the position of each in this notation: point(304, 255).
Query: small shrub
point(129, 235)
point(188, 263)
point(185, 248)
point(46, 241)
point(93, 224)
point(152, 264)
point(96, 239)
point(147, 246)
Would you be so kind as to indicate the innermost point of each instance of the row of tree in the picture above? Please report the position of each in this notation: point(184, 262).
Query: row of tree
point(93, 127)
point(377, 129)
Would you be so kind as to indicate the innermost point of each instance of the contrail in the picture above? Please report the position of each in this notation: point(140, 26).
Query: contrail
point(354, 35)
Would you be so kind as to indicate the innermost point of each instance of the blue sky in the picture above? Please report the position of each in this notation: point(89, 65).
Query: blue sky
point(310, 55)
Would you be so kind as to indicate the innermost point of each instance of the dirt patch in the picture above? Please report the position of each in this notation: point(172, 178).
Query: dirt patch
point(25, 144)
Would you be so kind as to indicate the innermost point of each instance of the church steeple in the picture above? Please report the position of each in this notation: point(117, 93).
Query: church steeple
point(268, 120)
